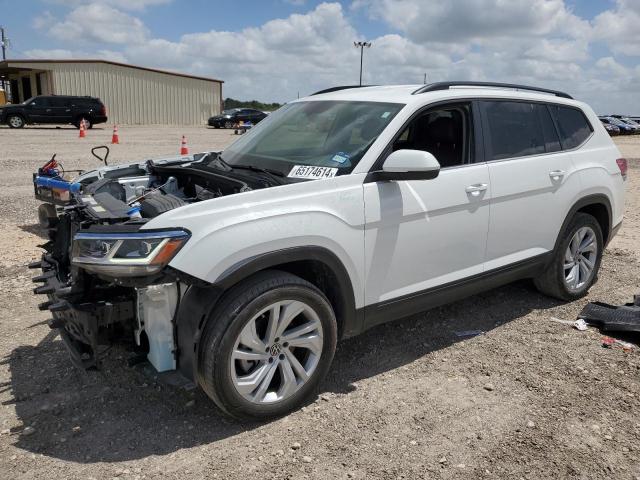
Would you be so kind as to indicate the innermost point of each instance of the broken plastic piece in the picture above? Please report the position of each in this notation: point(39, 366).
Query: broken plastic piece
point(625, 318)
point(580, 324)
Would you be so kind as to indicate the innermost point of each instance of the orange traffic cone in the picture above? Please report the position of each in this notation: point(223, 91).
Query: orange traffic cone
point(114, 138)
point(184, 150)
point(82, 133)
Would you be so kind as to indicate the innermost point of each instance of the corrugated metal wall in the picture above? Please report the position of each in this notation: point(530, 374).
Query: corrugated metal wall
point(135, 96)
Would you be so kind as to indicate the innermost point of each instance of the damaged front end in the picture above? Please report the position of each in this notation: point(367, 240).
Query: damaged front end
point(105, 277)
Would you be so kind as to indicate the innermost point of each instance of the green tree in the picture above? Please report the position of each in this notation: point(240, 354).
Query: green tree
point(233, 103)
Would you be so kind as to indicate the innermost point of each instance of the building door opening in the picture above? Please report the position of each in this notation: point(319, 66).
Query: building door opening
point(39, 83)
point(26, 88)
point(13, 90)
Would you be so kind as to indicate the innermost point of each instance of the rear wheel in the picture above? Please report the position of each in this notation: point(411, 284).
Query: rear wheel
point(267, 347)
point(228, 124)
point(15, 121)
point(575, 264)
point(87, 123)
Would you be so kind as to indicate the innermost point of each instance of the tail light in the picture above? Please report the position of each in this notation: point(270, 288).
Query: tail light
point(103, 111)
point(623, 166)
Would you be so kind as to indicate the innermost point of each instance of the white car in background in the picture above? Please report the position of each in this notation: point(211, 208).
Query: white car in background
point(352, 207)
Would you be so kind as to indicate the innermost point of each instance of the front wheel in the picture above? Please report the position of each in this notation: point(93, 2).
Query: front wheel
point(15, 121)
point(268, 345)
point(575, 264)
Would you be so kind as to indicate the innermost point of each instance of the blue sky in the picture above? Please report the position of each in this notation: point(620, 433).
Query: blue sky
point(274, 49)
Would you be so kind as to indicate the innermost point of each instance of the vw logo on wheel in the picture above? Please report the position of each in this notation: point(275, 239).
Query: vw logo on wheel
point(275, 349)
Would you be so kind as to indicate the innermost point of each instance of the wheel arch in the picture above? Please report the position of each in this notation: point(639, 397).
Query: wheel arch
point(8, 115)
point(317, 265)
point(598, 206)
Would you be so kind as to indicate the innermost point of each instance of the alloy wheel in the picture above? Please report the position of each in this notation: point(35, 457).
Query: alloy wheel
point(580, 258)
point(276, 352)
point(16, 122)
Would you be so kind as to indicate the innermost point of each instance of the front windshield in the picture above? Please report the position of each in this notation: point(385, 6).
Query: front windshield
point(28, 100)
point(230, 111)
point(331, 134)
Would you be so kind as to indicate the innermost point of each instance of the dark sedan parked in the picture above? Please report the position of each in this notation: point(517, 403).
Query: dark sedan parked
point(230, 117)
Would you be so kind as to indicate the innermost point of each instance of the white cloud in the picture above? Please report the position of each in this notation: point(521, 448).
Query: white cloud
point(100, 23)
point(475, 20)
point(620, 27)
point(45, 20)
point(538, 42)
point(121, 4)
point(64, 54)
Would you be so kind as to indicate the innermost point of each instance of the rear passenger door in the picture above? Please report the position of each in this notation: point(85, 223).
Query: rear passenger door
point(60, 110)
point(533, 180)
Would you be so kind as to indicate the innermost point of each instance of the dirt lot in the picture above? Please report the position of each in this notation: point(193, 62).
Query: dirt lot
point(531, 398)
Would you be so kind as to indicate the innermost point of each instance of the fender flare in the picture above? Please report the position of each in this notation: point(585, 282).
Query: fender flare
point(200, 299)
point(598, 198)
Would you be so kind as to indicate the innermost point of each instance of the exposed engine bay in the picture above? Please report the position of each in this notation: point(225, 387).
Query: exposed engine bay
point(105, 279)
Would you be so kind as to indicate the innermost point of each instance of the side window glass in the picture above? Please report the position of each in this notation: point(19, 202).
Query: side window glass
point(551, 139)
point(58, 102)
point(445, 132)
point(515, 129)
point(574, 128)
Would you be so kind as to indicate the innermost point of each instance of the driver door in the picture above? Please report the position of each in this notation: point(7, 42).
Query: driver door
point(422, 235)
point(39, 110)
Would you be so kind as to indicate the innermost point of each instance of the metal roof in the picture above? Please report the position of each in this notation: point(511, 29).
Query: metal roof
point(8, 65)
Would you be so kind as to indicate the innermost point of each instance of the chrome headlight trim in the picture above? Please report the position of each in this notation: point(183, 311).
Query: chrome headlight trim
point(152, 250)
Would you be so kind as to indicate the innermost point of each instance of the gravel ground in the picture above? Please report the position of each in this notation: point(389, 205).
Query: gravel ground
point(530, 398)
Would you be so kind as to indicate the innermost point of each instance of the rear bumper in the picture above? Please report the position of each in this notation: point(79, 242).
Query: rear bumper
point(99, 119)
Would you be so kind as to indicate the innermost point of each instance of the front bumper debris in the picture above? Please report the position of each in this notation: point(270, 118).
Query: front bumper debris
point(82, 325)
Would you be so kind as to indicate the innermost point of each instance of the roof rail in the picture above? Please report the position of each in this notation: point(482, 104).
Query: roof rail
point(446, 85)
point(335, 89)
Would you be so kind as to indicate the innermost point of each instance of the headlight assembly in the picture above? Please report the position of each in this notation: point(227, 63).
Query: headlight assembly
point(127, 254)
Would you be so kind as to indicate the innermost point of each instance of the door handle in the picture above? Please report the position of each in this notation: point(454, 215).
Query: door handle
point(476, 189)
point(556, 174)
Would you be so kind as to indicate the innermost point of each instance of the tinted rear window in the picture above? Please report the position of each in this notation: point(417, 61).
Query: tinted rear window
point(515, 129)
point(574, 127)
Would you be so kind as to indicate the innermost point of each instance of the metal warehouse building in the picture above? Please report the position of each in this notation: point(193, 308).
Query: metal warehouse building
point(132, 94)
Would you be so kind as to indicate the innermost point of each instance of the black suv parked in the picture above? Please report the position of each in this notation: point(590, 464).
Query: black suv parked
point(61, 109)
point(230, 117)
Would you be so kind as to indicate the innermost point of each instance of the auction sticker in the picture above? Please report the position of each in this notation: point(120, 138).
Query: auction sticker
point(311, 172)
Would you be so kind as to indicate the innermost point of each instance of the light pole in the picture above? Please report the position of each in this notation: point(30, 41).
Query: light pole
point(361, 46)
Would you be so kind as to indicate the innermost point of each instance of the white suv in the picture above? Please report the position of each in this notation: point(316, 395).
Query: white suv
point(340, 211)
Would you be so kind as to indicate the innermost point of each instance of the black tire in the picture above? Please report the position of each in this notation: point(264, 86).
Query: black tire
point(228, 124)
point(552, 281)
point(87, 123)
point(15, 121)
point(236, 308)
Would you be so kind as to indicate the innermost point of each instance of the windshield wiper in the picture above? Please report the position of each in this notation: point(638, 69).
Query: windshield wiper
point(253, 168)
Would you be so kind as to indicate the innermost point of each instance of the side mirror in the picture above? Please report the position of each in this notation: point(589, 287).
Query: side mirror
point(408, 165)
